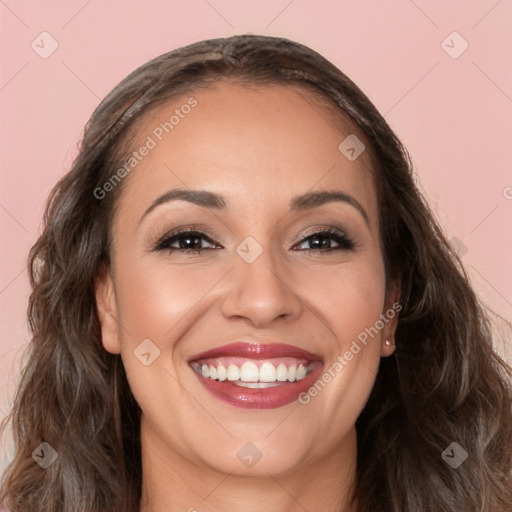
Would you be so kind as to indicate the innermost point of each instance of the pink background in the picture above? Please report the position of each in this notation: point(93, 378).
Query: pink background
point(453, 114)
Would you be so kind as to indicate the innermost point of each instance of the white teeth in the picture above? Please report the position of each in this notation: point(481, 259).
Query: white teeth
point(233, 372)
point(260, 385)
point(282, 373)
point(268, 372)
point(221, 372)
point(249, 375)
point(249, 372)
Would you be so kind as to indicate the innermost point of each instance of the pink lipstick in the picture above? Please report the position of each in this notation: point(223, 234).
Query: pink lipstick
point(256, 376)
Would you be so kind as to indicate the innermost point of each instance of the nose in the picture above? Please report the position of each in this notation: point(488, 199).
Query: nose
point(261, 291)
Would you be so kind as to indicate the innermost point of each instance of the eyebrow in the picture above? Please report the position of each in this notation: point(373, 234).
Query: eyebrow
point(216, 201)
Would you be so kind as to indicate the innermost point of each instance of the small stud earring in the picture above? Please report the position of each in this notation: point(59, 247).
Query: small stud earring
point(388, 342)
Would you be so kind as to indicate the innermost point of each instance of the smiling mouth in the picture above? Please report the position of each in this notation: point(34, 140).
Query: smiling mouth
point(251, 373)
point(255, 376)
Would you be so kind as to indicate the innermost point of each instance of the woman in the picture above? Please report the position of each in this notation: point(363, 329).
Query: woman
point(241, 301)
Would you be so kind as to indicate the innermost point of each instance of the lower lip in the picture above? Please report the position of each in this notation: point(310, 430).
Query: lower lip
point(255, 398)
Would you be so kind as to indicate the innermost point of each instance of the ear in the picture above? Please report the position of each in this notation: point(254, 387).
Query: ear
point(107, 312)
point(392, 308)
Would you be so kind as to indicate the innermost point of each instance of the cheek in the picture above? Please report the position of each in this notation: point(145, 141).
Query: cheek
point(161, 302)
point(348, 298)
point(156, 298)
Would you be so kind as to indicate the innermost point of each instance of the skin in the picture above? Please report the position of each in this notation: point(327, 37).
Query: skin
point(259, 147)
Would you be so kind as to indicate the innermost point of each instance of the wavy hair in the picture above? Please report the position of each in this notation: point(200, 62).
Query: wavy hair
point(443, 384)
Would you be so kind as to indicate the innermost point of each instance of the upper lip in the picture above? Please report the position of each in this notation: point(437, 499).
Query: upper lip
point(256, 350)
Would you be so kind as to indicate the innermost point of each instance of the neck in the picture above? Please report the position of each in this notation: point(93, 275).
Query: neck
point(173, 483)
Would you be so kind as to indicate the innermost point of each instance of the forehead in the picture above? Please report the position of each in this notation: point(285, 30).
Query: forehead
point(257, 145)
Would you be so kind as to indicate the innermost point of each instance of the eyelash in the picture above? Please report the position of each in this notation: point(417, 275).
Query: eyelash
point(345, 241)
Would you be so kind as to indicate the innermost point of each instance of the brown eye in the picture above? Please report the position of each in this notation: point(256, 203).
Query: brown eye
point(318, 241)
point(188, 241)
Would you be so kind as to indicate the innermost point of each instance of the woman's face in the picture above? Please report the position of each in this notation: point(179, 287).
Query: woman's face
point(314, 303)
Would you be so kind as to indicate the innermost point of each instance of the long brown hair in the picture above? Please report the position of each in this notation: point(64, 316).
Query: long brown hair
point(443, 385)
